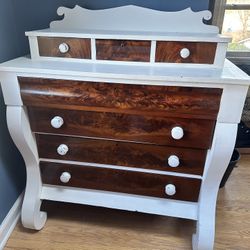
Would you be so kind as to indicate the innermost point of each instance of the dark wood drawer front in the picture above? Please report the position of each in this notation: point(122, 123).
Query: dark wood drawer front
point(200, 52)
point(120, 181)
point(122, 153)
point(149, 129)
point(123, 50)
point(77, 47)
point(181, 101)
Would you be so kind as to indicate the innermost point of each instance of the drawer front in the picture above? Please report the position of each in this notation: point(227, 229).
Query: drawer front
point(137, 128)
point(71, 47)
point(123, 50)
point(181, 101)
point(128, 154)
point(120, 181)
point(185, 52)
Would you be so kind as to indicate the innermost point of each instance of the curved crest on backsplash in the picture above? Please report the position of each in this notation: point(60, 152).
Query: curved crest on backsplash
point(134, 18)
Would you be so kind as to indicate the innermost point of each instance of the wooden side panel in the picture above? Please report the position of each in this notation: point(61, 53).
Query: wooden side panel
point(137, 128)
point(123, 50)
point(200, 52)
point(121, 153)
point(185, 101)
point(121, 181)
point(78, 47)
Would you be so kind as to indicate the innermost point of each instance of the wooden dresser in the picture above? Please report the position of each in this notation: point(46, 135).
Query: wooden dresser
point(113, 112)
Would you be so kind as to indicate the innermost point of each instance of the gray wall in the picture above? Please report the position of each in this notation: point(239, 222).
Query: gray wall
point(12, 171)
point(18, 16)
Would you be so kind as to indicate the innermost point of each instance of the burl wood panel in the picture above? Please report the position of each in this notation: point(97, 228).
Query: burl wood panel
point(200, 52)
point(121, 153)
point(170, 101)
point(123, 50)
point(78, 47)
point(121, 181)
point(137, 128)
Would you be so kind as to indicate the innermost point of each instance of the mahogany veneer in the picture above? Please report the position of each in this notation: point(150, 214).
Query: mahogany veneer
point(121, 153)
point(200, 52)
point(123, 50)
point(179, 101)
point(137, 128)
point(120, 181)
point(78, 47)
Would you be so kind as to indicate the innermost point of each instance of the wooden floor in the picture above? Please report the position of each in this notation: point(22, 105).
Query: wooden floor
point(75, 227)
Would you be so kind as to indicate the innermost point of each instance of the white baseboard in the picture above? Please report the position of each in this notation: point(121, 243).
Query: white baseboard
point(10, 221)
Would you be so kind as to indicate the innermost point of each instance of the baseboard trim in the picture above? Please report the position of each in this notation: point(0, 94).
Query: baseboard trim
point(10, 221)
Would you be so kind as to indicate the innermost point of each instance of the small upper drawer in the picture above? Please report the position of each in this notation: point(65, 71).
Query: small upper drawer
point(114, 180)
point(184, 101)
point(136, 155)
point(123, 50)
point(64, 47)
point(185, 52)
point(191, 133)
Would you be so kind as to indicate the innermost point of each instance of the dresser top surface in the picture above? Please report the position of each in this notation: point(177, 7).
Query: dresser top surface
point(231, 74)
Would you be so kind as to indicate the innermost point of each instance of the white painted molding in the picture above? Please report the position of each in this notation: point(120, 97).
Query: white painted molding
point(10, 221)
point(134, 18)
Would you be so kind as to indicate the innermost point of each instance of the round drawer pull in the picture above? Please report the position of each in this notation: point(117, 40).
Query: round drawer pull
point(62, 149)
point(65, 177)
point(170, 189)
point(177, 133)
point(184, 53)
point(173, 161)
point(57, 122)
point(63, 48)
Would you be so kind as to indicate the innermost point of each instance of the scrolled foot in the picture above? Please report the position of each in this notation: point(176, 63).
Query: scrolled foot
point(33, 218)
point(202, 243)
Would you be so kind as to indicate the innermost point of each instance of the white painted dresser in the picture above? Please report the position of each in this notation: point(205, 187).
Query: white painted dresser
point(126, 108)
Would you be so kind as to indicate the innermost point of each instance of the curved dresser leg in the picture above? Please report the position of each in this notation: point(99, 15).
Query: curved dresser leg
point(216, 164)
point(203, 239)
point(21, 134)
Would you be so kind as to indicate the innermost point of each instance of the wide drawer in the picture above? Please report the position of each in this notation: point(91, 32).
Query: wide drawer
point(127, 154)
point(64, 47)
point(123, 50)
point(178, 101)
point(120, 181)
point(137, 128)
point(185, 52)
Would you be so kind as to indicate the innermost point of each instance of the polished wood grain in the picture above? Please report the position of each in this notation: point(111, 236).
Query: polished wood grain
point(78, 47)
point(79, 227)
point(137, 128)
point(200, 52)
point(121, 153)
point(114, 180)
point(123, 50)
point(181, 101)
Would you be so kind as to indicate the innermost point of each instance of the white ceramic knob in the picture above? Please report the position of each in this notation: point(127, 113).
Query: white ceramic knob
point(57, 122)
point(173, 161)
point(185, 53)
point(63, 48)
point(177, 133)
point(170, 189)
point(62, 149)
point(65, 177)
